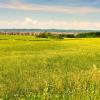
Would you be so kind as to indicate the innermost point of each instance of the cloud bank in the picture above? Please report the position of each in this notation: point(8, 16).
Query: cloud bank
point(60, 24)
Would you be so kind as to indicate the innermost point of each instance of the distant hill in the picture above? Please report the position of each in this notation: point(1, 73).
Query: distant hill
point(48, 30)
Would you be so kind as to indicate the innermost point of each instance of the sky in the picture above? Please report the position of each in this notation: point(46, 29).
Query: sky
point(50, 14)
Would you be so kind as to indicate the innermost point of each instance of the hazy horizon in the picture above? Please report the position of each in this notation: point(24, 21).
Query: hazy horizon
point(49, 30)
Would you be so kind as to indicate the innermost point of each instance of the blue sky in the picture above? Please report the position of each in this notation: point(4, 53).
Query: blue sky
point(59, 14)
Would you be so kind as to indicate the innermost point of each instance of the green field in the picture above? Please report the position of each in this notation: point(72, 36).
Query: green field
point(47, 69)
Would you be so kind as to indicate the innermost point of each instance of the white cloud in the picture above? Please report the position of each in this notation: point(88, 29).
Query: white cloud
point(16, 4)
point(61, 24)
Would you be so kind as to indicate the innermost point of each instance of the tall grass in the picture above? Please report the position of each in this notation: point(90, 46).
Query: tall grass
point(49, 70)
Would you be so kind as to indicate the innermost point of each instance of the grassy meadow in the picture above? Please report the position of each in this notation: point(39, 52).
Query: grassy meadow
point(48, 69)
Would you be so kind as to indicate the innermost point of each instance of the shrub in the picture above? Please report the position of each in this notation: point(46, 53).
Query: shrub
point(49, 35)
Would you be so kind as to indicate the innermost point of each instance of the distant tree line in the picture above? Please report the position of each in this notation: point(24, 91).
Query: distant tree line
point(61, 36)
point(88, 35)
point(56, 36)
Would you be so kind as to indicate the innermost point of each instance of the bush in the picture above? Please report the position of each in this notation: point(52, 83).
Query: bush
point(49, 35)
point(43, 35)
